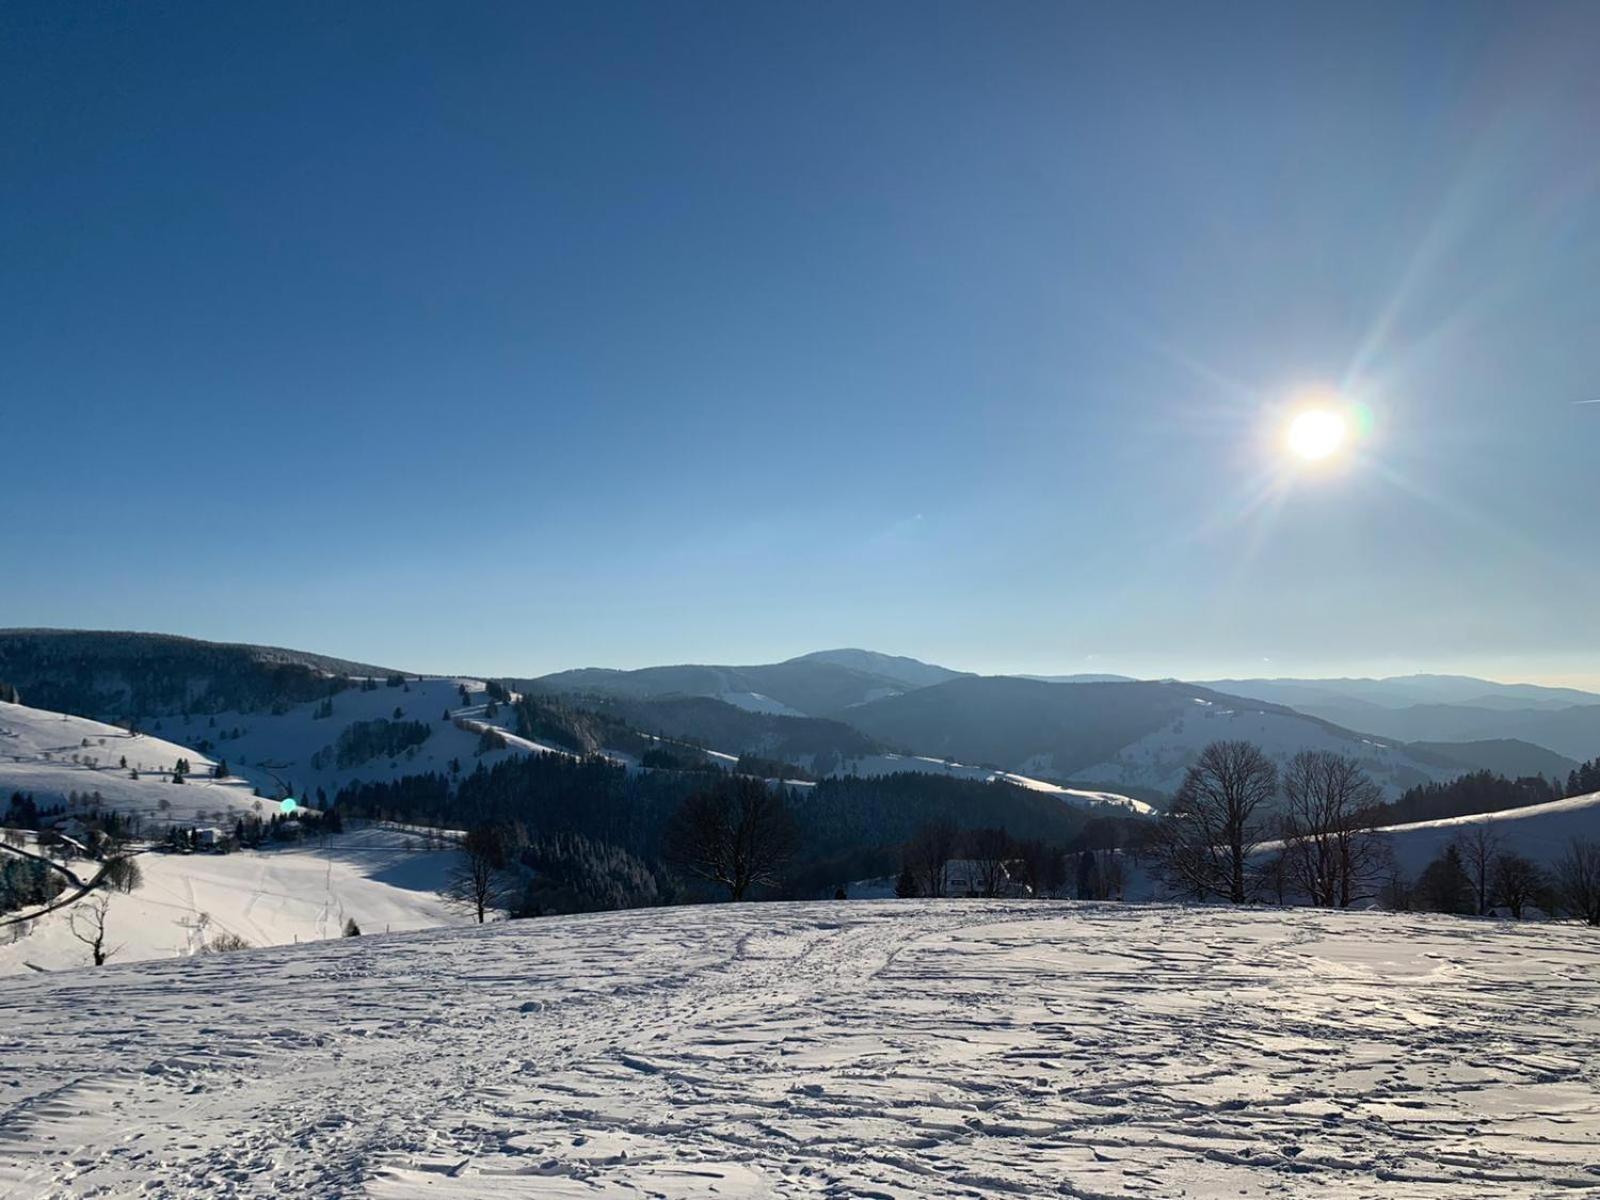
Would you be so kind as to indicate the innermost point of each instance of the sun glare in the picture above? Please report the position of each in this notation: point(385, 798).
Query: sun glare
point(1316, 434)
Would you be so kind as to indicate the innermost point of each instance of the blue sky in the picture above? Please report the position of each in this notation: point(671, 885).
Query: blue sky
point(511, 337)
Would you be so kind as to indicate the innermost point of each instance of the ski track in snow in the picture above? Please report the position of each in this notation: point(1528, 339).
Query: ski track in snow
point(850, 1050)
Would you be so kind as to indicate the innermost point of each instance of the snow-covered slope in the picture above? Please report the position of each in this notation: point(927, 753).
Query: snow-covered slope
point(381, 878)
point(55, 758)
point(890, 764)
point(897, 1049)
point(1542, 832)
point(1159, 759)
point(298, 747)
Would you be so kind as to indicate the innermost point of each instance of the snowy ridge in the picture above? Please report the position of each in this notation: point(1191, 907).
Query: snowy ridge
point(1542, 832)
point(899, 1049)
point(889, 764)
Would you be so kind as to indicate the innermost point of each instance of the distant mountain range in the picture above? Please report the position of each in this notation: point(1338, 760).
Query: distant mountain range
point(823, 684)
point(1503, 756)
point(837, 709)
point(1442, 708)
point(1107, 731)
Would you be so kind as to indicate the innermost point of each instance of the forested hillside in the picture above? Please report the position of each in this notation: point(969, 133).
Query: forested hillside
point(135, 676)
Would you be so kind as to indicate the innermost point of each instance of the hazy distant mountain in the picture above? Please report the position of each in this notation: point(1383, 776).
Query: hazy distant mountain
point(1442, 708)
point(910, 671)
point(1079, 678)
point(1135, 735)
point(1573, 732)
point(1504, 756)
point(850, 705)
point(112, 675)
point(1405, 691)
point(822, 684)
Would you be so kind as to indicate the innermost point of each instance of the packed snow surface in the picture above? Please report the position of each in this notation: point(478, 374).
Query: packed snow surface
point(886, 1049)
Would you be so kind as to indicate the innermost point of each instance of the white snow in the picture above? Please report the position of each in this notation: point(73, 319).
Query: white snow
point(276, 750)
point(381, 878)
point(757, 703)
point(885, 1049)
point(43, 754)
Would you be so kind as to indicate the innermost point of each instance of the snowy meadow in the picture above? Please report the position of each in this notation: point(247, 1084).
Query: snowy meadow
point(925, 1048)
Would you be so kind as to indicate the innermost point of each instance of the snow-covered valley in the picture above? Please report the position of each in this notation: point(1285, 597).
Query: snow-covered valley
point(383, 879)
point(884, 1049)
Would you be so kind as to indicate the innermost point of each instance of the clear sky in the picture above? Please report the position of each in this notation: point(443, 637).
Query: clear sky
point(511, 337)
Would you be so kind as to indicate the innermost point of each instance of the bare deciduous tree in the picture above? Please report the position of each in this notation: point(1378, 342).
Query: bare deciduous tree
point(1216, 822)
point(738, 836)
point(990, 850)
point(477, 882)
point(1518, 883)
point(87, 921)
point(928, 856)
point(1331, 853)
point(1578, 880)
point(1480, 846)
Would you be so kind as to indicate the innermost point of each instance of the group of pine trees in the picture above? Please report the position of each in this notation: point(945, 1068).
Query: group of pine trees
point(502, 866)
point(25, 883)
point(362, 741)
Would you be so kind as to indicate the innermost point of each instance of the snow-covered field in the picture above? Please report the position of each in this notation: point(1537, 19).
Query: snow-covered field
point(381, 878)
point(849, 1049)
point(53, 757)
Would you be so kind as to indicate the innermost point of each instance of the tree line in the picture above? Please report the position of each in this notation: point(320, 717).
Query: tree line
point(1240, 830)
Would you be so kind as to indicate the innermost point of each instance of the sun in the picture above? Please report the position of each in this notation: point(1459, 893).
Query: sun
point(1316, 434)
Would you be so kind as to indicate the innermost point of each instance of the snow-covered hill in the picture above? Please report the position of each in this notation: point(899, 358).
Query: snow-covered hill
point(855, 1049)
point(55, 758)
point(1159, 759)
point(890, 764)
point(383, 879)
point(300, 747)
point(1542, 832)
